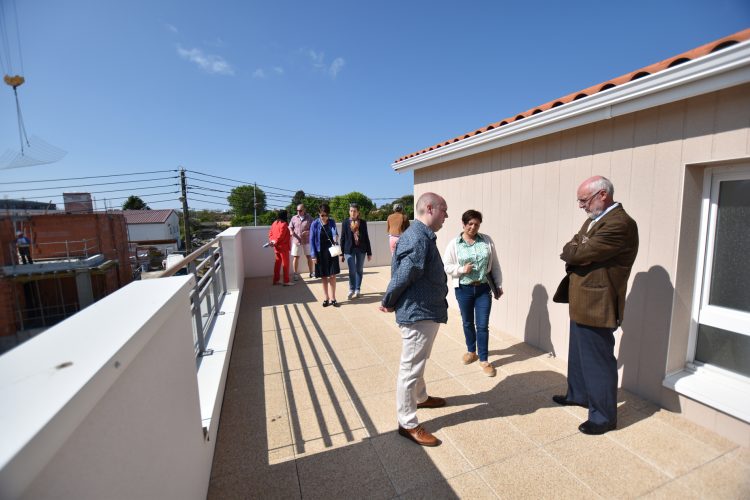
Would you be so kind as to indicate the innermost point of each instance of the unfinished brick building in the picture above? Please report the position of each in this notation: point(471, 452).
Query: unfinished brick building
point(78, 259)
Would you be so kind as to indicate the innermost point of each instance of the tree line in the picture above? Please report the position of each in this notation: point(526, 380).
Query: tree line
point(244, 199)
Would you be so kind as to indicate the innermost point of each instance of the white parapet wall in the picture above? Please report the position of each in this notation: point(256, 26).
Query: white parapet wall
point(259, 260)
point(106, 404)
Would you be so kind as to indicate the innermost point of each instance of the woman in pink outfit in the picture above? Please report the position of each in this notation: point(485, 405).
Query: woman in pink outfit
point(278, 237)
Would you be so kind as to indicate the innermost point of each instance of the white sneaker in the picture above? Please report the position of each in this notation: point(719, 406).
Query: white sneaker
point(356, 294)
point(351, 294)
point(291, 283)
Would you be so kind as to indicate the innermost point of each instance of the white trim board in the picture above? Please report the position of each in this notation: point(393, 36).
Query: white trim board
point(726, 68)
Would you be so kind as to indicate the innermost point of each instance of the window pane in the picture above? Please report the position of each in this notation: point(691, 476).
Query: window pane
point(730, 275)
point(725, 349)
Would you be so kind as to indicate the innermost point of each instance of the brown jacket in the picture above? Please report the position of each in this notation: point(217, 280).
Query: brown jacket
point(397, 223)
point(598, 264)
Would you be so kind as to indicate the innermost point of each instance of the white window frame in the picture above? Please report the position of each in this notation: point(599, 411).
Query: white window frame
point(719, 388)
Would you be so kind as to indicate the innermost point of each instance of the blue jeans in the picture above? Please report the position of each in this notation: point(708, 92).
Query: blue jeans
point(475, 302)
point(356, 263)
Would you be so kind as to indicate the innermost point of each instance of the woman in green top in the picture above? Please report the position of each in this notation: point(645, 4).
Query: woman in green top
point(471, 260)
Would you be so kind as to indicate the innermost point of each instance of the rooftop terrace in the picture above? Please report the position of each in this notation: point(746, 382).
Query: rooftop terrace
point(292, 400)
point(309, 412)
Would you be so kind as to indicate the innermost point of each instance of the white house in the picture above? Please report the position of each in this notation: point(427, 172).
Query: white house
point(157, 228)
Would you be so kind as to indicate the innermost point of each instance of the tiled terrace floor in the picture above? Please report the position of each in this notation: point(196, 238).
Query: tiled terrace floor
point(309, 412)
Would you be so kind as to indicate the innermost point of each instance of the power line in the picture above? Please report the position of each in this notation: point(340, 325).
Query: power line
point(87, 185)
point(248, 183)
point(90, 177)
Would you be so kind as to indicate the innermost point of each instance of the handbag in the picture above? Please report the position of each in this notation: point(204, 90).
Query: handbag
point(334, 249)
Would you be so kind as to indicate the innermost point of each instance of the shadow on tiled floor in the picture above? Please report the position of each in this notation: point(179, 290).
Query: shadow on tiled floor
point(309, 411)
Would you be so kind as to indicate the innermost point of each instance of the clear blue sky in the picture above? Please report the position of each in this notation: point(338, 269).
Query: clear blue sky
point(320, 96)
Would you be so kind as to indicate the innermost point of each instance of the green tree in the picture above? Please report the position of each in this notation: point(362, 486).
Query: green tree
point(135, 203)
point(241, 200)
point(340, 205)
point(267, 218)
point(311, 203)
point(242, 220)
point(297, 198)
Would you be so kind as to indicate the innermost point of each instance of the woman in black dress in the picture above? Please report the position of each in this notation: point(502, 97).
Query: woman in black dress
point(323, 235)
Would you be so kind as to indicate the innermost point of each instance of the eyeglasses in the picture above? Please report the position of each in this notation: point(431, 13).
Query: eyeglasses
point(300, 210)
point(324, 215)
point(587, 200)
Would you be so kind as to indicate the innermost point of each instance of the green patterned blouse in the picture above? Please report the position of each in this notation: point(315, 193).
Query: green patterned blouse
point(478, 254)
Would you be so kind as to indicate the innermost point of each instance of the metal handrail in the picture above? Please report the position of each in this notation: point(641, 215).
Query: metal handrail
point(206, 288)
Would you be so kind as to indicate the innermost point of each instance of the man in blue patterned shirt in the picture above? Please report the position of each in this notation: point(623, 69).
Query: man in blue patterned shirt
point(417, 293)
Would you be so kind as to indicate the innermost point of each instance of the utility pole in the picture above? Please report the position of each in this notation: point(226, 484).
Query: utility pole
point(255, 206)
point(185, 213)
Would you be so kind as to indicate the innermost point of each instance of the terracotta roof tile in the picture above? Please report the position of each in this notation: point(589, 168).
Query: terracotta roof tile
point(603, 86)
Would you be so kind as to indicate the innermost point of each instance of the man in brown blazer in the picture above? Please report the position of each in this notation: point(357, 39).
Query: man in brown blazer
point(598, 261)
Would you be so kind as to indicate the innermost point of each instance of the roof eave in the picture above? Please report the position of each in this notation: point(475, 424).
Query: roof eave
point(723, 69)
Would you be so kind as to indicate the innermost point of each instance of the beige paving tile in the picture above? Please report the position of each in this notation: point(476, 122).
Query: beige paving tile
point(605, 466)
point(670, 491)
point(694, 431)
point(409, 465)
point(721, 478)
point(538, 418)
point(271, 362)
point(741, 454)
point(380, 411)
point(533, 474)
point(317, 386)
point(331, 443)
point(325, 421)
point(347, 472)
point(343, 341)
point(275, 481)
point(481, 435)
point(370, 380)
point(354, 359)
point(295, 356)
point(661, 445)
point(468, 485)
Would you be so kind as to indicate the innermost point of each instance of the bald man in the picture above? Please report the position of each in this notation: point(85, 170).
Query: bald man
point(598, 261)
point(417, 292)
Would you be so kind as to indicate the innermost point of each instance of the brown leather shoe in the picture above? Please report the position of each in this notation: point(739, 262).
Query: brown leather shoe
point(431, 402)
point(419, 435)
point(469, 357)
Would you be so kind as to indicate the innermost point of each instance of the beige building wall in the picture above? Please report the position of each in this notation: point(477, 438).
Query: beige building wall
point(527, 194)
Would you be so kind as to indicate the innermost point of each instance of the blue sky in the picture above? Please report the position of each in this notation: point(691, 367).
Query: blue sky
point(320, 96)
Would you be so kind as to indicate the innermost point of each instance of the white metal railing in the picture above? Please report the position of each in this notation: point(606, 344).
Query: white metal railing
point(207, 264)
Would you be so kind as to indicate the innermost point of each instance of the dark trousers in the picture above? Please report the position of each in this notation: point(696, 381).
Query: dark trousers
point(475, 303)
point(592, 371)
point(25, 253)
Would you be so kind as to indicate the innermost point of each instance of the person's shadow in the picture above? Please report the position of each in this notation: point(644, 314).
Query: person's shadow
point(538, 331)
point(645, 333)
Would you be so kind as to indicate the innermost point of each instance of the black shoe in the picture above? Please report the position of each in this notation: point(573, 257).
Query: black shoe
point(326, 303)
point(334, 303)
point(595, 429)
point(563, 400)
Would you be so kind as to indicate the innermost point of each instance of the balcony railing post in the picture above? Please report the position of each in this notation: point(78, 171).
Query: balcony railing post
point(215, 284)
point(221, 273)
point(197, 313)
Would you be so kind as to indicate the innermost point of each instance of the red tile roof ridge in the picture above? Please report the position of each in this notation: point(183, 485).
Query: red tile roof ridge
point(692, 54)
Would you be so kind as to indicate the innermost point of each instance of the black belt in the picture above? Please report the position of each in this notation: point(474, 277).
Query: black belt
point(476, 283)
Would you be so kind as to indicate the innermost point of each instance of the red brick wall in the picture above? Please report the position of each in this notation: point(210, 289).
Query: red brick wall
point(105, 233)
